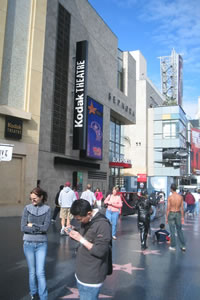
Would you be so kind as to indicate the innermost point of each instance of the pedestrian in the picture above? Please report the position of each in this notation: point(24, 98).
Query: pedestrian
point(76, 192)
point(190, 200)
point(114, 204)
point(162, 234)
point(99, 197)
point(143, 206)
point(34, 224)
point(92, 256)
point(57, 206)
point(89, 195)
point(175, 217)
point(65, 200)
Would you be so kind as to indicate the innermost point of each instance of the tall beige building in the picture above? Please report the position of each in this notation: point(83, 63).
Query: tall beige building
point(22, 33)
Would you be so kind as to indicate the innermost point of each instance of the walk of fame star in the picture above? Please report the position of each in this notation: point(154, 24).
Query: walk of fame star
point(147, 252)
point(126, 268)
point(75, 294)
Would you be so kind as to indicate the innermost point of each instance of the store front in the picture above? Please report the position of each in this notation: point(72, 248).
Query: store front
point(117, 160)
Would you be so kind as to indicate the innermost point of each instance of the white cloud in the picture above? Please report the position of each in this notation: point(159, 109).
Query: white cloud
point(190, 108)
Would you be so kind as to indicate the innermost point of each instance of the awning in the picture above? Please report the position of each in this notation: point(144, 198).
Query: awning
point(58, 160)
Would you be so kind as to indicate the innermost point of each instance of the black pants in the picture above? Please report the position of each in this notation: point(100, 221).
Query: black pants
point(55, 213)
point(144, 228)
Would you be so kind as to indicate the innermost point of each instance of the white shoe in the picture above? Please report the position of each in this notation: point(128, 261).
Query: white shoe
point(172, 248)
point(62, 232)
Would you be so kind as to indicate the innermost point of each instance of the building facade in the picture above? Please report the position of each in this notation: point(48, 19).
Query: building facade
point(64, 78)
point(22, 33)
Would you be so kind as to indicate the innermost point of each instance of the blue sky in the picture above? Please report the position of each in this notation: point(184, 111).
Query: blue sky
point(156, 27)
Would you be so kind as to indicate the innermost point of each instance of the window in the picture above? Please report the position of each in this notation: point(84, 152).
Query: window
point(170, 130)
point(58, 134)
point(116, 147)
point(120, 74)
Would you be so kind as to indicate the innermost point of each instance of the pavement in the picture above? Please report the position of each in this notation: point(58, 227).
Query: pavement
point(156, 274)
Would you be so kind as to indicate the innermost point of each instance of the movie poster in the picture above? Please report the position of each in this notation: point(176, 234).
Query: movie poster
point(94, 129)
point(195, 151)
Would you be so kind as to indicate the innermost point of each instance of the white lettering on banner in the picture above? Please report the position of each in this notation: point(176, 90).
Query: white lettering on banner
point(121, 160)
point(79, 88)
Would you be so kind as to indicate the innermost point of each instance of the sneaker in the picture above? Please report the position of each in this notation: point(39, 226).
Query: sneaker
point(114, 237)
point(183, 249)
point(172, 248)
point(62, 232)
point(34, 297)
point(143, 248)
point(53, 221)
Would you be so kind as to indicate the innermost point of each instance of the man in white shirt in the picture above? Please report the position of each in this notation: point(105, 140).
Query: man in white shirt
point(89, 195)
point(65, 200)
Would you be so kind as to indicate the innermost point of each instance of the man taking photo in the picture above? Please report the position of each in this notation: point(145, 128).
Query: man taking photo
point(92, 257)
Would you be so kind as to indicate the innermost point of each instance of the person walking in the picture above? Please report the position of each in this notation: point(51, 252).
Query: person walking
point(92, 258)
point(89, 195)
point(114, 204)
point(190, 200)
point(99, 197)
point(35, 222)
point(175, 218)
point(65, 200)
point(76, 192)
point(143, 206)
point(57, 206)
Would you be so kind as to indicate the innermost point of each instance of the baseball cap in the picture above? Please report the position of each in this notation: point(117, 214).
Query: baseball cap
point(67, 183)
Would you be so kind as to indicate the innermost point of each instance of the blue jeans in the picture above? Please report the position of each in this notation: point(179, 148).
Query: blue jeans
point(174, 220)
point(113, 216)
point(35, 253)
point(88, 292)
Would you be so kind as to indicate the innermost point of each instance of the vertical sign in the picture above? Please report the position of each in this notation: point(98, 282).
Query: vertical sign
point(80, 94)
point(94, 129)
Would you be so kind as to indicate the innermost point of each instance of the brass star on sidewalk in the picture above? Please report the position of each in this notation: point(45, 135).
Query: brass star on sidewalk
point(75, 294)
point(92, 109)
point(126, 268)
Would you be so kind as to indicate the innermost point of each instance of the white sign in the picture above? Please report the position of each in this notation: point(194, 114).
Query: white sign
point(121, 160)
point(6, 152)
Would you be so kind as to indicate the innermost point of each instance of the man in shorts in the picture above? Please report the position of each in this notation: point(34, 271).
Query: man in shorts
point(65, 200)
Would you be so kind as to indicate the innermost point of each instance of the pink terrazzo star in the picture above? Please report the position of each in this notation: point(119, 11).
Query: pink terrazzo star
point(75, 295)
point(126, 268)
point(147, 252)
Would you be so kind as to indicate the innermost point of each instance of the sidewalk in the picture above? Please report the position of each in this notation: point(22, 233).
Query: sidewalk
point(156, 275)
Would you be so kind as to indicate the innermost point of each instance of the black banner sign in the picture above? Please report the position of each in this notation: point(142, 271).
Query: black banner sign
point(80, 96)
point(13, 127)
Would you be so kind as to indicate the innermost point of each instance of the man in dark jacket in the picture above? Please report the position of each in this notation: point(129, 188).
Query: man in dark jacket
point(92, 257)
point(57, 206)
point(143, 206)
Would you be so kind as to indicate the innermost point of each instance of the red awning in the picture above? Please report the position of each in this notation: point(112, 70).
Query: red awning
point(120, 165)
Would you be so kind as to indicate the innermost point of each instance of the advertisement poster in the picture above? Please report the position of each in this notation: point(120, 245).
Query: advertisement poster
point(94, 129)
point(195, 151)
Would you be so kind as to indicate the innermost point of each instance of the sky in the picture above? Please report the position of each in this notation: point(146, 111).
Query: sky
point(155, 27)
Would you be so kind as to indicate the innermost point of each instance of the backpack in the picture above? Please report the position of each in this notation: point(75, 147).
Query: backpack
point(110, 264)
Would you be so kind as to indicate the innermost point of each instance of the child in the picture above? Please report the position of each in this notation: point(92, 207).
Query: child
point(162, 235)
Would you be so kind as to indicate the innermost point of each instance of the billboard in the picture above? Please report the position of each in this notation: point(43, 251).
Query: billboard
point(94, 129)
point(195, 151)
point(80, 96)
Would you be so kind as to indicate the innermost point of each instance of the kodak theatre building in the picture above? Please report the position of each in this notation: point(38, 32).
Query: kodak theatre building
point(72, 94)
